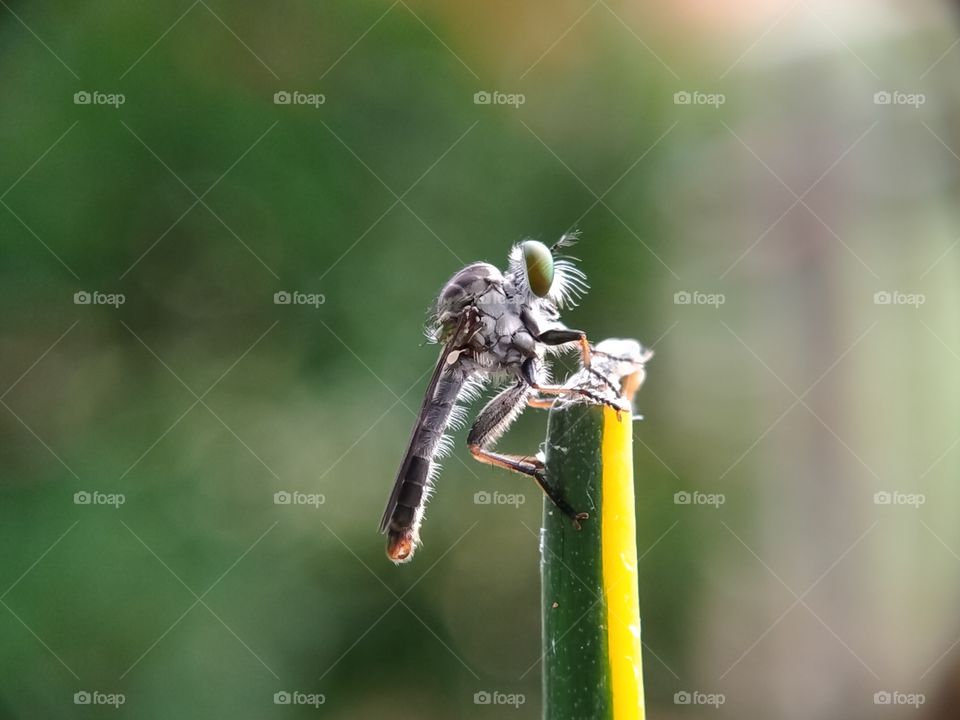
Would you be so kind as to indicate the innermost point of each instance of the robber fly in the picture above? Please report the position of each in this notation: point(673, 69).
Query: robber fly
point(493, 326)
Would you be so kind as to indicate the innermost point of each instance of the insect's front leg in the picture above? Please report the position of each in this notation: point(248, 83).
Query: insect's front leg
point(563, 336)
point(529, 373)
point(542, 403)
point(490, 425)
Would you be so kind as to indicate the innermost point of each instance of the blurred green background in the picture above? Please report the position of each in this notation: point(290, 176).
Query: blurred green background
point(784, 187)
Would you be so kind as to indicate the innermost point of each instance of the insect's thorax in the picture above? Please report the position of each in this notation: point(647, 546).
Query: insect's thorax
point(508, 318)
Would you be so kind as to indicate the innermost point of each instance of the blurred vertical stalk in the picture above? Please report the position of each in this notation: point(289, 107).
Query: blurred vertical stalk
point(591, 610)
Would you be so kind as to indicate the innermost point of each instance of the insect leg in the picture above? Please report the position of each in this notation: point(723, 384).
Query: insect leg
point(562, 336)
point(491, 423)
point(528, 371)
point(540, 402)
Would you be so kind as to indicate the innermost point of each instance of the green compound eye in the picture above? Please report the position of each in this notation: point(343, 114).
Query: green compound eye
point(539, 262)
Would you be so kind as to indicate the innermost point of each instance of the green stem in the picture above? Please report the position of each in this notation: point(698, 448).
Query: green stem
point(591, 621)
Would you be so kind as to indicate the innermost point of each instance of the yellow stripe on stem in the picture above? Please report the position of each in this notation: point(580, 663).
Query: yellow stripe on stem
point(619, 561)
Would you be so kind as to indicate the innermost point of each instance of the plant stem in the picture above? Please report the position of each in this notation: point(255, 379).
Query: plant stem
point(591, 614)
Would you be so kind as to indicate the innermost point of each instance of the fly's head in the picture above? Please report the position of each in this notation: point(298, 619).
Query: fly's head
point(538, 277)
point(545, 279)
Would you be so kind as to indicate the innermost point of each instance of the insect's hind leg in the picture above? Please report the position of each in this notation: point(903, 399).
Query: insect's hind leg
point(490, 425)
point(535, 469)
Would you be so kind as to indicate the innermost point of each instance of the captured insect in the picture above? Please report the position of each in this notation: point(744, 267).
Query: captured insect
point(619, 365)
point(494, 327)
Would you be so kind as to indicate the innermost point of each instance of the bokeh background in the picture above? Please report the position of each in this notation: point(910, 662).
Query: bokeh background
point(782, 198)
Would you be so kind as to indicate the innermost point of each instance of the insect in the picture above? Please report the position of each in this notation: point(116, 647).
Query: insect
point(493, 327)
point(618, 365)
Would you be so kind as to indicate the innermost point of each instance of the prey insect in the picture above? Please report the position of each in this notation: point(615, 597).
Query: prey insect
point(495, 327)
